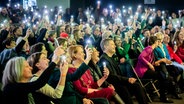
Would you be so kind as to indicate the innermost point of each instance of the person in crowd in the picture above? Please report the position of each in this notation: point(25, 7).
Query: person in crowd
point(3, 36)
point(176, 60)
point(17, 31)
point(146, 67)
point(145, 40)
point(15, 81)
point(122, 57)
point(124, 86)
point(38, 47)
point(173, 55)
point(178, 39)
point(4, 15)
point(96, 36)
point(158, 18)
point(43, 37)
point(86, 85)
point(9, 43)
point(25, 49)
point(51, 37)
point(168, 69)
point(78, 37)
point(97, 74)
point(175, 20)
point(70, 95)
point(39, 62)
point(7, 54)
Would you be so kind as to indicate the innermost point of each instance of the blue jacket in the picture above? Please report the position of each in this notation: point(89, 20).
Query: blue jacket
point(159, 54)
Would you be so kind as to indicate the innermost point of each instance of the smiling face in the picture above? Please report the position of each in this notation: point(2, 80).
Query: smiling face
point(118, 42)
point(111, 47)
point(80, 54)
point(43, 62)
point(27, 71)
point(181, 36)
point(166, 39)
point(95, 55)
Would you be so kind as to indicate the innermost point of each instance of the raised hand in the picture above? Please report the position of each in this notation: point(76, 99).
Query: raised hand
point(105, 72)
point(64, 67)
point(57, 53)
point(88, 54)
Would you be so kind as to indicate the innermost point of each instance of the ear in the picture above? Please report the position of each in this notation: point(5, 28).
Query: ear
point(37, 64)
point(7, 46)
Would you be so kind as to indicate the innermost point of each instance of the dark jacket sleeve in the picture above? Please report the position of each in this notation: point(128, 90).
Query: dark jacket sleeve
point(40, 82)
point(78, 73)
point(41, 35)
point(114, 76)
point(19, 46)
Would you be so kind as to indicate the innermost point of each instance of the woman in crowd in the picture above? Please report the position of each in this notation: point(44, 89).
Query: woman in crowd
point(97, 74)
point(169, 71)
point(16, 76)
point(122, 57)
point(70, 95)
point(78, 37)
point(7, 54)
point(145, 67)
point(43, 37)
point(86, 85)
point(39, 62)
point(38, 47)
point(180, 44)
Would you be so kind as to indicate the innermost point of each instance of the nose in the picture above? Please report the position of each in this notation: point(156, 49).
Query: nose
point(48, 60)
point(30, 68)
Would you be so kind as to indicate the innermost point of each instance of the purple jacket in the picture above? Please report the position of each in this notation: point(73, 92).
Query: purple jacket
point(146, 56)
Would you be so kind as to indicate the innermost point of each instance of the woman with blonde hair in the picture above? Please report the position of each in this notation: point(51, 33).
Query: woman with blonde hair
point(86, 85)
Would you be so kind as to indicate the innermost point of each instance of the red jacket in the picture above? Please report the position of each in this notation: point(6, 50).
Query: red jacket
point(180, 52)
point(173, 55)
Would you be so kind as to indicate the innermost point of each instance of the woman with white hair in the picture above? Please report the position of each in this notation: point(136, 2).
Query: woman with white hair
point(16, 76)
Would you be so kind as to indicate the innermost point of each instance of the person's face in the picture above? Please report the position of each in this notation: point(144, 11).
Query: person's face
point(27, 71)
point(105, 12)
point(53, 36)
point(68, 30)
point(166, 39)
point(156, 43)
point(80, 54)
point(160, 40)
point(44, 51)
point(43, 62)
point(167, 31)
point(19, 31)
point(181, 36)
point(12, 44)
point(159, 13)
point(88, 31)
point(62, 29)
point(146, 33)
point(95, 55)
point(111, 47)
point(173, 15)
point(4, 11)
point(118, 42)
point(97, 31)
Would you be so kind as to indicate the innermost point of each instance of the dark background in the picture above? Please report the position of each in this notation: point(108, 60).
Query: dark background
point(171, 5)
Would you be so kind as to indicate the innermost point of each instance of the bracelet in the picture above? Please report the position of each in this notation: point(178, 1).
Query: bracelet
point(63, 75)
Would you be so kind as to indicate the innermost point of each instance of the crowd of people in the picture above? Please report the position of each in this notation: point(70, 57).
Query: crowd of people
point(89, 57)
